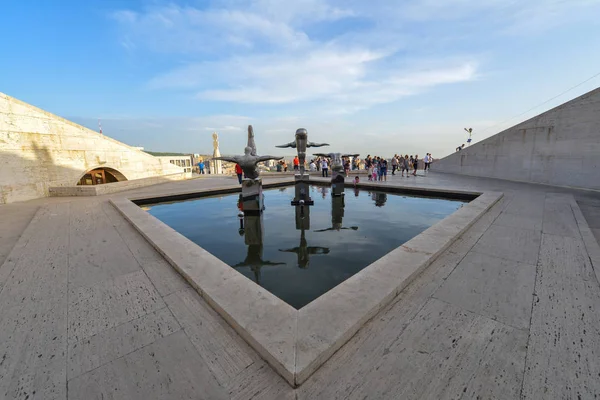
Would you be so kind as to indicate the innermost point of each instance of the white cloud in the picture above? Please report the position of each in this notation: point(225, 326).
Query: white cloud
point(323, 60)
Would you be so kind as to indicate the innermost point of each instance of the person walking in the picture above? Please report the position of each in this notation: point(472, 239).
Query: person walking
point(239, 172)
point(325, 168)
point(425, 162)
point(394, 164)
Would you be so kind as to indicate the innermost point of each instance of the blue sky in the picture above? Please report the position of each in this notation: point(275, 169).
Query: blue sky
point(378, 76)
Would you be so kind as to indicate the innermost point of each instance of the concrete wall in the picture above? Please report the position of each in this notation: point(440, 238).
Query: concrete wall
point(108, 188)
point(39, 150)
point(559, 147)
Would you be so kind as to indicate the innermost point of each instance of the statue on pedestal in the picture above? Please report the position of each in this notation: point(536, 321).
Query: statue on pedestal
point(248, 162)
point(251, 185)
point(337, 168)
point(301, 143)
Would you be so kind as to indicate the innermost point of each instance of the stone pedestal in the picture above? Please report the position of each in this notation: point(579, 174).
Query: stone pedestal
point(302, 191)
point(252, 196)
point(337, 183)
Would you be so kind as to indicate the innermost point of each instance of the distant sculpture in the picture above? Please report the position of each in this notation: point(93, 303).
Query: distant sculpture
point(248, 162)
point(215, 142)
point(216, 167)
point(251, 143)
point(336, 160)
point(301, 143)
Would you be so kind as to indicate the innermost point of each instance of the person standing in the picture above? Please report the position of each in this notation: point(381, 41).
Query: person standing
point(383, 169)
point(201, 167)
point(347, 167)
point(296, 163)
point(415, 164)
point(394, 164)
point(325, 168)
point(312, 166)
point(239, 172)
point(425, 162)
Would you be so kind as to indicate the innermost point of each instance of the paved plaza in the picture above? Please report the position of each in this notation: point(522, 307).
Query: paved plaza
point(89, 310)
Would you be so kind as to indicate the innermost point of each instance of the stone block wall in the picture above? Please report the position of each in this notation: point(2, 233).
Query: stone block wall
point(559, 147)
point(39, 150)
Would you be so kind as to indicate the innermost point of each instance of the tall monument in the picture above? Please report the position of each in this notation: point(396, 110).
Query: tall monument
point(216, 166)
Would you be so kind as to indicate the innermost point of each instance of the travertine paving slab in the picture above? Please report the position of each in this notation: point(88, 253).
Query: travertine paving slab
point(533, 222)
point(498, 288)
point(564, 343)
point(15, 247)
point(41, 271)
point(511, 243)
point(569, 257)
point(169, 368)
point(363, 352)
point(559, 219)
point(529, 204)
point(161, 273)
point(260, 382)
point(110, 303)
point(224, 351)
point(96, 251)
point(444, 353)
point(110, 344)
point(33, 350)
point(263, 320)
point(592, 215)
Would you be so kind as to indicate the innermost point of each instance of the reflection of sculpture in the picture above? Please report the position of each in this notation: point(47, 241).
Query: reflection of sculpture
point(301, 143)
point(379, 198)
point(304, 251)
point(248, 162)
point(253, 234)
point(337, 215)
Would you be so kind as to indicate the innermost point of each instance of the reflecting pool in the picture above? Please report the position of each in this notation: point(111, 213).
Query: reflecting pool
point(298, 253)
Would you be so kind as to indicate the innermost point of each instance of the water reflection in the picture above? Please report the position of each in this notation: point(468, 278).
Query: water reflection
point(299, 255)
point(253, 231)
point(304, 251)
point(337, 215)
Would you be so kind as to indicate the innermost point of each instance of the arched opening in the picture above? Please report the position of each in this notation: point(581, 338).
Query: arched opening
point(100, 176)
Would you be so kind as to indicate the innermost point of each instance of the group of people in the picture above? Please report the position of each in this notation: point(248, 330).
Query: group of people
point(377, 167)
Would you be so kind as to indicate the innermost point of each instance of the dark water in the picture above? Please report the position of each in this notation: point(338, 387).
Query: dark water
point(341, 236)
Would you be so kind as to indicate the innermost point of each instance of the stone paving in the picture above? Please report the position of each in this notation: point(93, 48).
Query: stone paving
point(89, 310)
